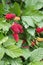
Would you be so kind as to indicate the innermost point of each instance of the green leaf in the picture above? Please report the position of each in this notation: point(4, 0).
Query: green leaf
point(37, 54)
point(31, 31)
point(1, 62)
point(32, 8)
point(26, 53)
point(35, 4)
point(17, 61)
point(40, 44)
point(4, 61)
point(9, 41)
point(3, 38)
point(36, 63)
point(37, 19)
point(19, 43)
point(16, 9)
point(13, 51)
point(1, 9)
point(28, 21)
point(2, 51)
point(31, 12)
point(4, 25)
point(9, 61)
point(3, 2)
point(40, 24)
point(29, 37)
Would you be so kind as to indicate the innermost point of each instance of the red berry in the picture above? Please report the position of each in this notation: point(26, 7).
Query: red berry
point(10, 16)
point(38, 30)
point(16, 37)
point(33, 43)
point(17, 28)
point(25, 47)
point(20, 28)
point(42, 29)
point(24, 41)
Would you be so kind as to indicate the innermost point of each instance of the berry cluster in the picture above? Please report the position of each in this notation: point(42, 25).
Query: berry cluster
point(16, 27)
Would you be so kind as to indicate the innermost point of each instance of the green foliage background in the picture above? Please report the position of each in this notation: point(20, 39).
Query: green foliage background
point(31, 13)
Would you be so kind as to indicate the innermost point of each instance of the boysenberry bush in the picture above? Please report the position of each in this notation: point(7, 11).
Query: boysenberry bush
point(21, 32)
